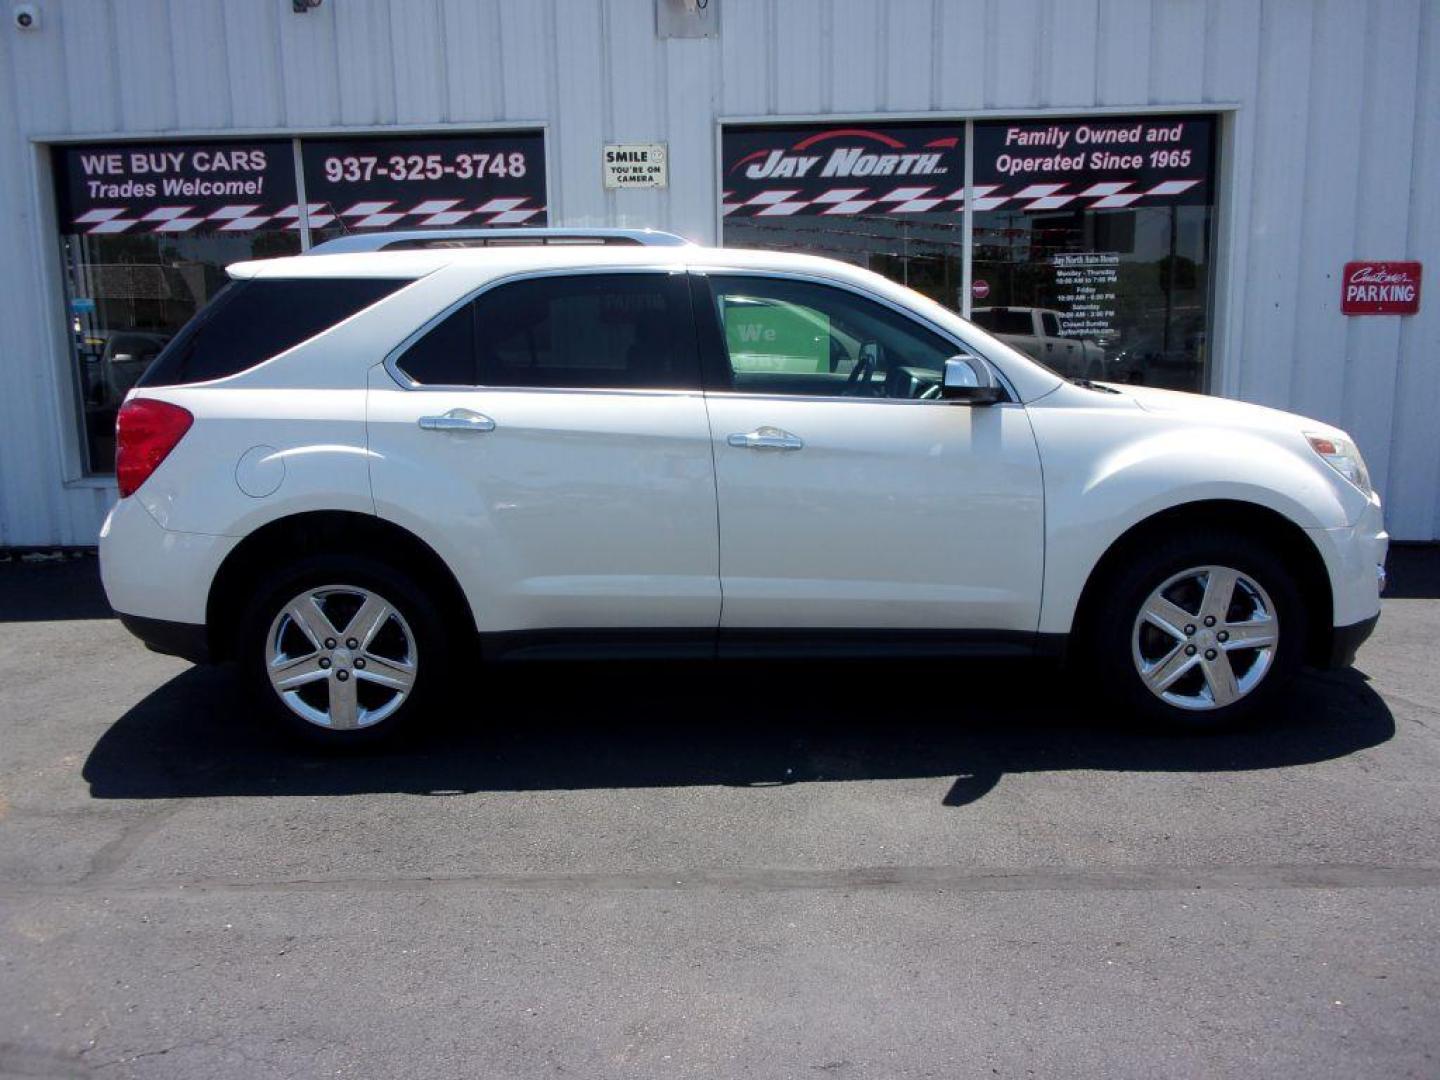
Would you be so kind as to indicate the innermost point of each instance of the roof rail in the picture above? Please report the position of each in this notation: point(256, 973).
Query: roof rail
point(414, 239)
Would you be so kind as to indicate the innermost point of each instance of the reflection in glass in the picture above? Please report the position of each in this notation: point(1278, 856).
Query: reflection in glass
point(1122, 295)
point(128, 294)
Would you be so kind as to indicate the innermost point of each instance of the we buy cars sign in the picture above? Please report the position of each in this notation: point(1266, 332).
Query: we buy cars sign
point(176, 187)
point(1380, 288)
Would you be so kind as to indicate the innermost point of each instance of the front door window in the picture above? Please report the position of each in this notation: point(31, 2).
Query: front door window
point(786, 336)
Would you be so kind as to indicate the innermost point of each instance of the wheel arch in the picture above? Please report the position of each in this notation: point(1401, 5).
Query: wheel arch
point(321, 532)
point(1267, 525)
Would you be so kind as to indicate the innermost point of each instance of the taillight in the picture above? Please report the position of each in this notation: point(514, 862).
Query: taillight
point(145, 431)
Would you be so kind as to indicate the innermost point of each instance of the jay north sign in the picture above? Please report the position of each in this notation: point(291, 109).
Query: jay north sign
point(842, 169)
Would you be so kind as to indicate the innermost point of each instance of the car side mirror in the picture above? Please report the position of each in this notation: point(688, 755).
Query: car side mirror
point(969, 382)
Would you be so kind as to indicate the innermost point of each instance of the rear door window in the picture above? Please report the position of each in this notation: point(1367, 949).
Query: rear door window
point(588, 331)
point(251, 321)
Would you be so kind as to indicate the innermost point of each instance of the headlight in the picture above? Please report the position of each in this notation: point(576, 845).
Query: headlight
point(1343, 456)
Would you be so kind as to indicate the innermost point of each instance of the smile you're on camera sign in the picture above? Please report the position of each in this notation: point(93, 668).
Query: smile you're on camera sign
point(630, 165)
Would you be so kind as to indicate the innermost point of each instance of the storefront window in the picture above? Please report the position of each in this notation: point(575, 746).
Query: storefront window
point(882, 197)
point(1092, 244)
point(1091, 239)
point(147, 229)
point(146, 233)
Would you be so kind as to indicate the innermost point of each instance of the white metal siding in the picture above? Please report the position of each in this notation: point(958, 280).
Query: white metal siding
point(1334, 152)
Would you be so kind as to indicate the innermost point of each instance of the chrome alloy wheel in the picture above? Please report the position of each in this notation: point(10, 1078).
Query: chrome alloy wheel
point(1205, 638)
point(341, 657)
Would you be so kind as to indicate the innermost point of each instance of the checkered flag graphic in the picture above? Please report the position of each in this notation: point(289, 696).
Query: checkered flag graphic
point(780, 202)
point(362, 215)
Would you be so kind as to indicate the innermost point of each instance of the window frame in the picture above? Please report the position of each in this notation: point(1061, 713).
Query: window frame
point(668, 271)
point(715, 358)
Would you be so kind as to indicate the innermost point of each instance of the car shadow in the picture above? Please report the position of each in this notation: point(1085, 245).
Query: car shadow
point(573, 726)
point(1414, 572)
point(45, 587)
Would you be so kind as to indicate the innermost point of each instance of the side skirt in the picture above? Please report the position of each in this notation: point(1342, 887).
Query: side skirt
point(747, 644)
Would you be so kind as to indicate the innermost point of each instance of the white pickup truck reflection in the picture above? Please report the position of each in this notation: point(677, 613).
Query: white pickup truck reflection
point(1036, 332)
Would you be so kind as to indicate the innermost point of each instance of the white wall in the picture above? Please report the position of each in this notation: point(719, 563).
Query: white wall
point(1334, 152)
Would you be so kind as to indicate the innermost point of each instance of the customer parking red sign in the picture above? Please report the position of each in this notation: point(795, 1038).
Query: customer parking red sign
point(1380, 288)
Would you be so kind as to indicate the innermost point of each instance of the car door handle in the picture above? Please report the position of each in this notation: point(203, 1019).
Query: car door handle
point(766, 438)
point(457, 420)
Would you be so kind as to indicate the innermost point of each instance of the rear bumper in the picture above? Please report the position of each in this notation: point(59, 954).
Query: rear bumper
point(156, 573)
point(1345, 642)
point(189, 641)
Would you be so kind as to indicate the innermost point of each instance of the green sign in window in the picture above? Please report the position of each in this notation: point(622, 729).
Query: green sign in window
point(770, 336)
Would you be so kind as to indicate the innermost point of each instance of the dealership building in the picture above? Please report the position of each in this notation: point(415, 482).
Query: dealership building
point(1226, 196)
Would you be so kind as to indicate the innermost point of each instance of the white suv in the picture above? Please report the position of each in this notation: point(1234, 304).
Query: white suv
point(355, 464)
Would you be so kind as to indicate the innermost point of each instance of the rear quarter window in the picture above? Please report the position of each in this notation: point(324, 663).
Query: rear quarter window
point(250, 321)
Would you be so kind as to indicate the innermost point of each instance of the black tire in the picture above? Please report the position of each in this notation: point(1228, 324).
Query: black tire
point(419, 613)
point(1106, 642)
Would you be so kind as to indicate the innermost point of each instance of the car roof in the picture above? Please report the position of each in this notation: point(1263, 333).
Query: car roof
point(494, 261)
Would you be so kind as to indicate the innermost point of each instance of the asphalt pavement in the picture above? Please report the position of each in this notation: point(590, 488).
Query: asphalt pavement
point(794, 870)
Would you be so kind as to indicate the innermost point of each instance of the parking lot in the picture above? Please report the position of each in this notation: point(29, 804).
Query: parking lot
point(887, 870)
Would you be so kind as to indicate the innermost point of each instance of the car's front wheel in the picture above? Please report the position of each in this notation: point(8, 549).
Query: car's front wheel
point(343, 650)
point(1198, 632)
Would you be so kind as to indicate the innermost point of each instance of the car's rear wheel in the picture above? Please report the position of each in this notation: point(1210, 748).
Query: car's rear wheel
point(1197, 632)
point(343, 650)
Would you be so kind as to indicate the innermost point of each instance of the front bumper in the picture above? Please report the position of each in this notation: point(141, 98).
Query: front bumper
point(1355, 557)
point(1355, 560)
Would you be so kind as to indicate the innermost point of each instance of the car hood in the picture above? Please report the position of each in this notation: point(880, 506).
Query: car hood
point(1218, 410)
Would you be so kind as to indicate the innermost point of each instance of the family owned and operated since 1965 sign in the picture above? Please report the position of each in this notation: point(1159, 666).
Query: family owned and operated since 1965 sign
point(474, 179)
point(1107, 164)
